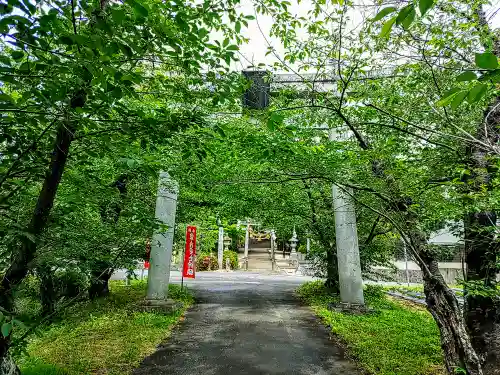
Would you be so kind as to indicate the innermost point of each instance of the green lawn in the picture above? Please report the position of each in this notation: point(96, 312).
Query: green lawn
point(109, 336)
point(397, 339)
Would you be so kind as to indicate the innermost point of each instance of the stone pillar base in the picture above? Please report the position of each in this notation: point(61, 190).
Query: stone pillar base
point(159, 305)
point(350, 308)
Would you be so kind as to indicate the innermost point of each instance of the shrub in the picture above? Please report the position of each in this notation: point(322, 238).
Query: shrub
point(374, 292)
point(233, 259)
point(71, 282)
point(315, 292)
point(205, 262)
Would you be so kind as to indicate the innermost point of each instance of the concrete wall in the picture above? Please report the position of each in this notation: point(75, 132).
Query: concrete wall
point(451, 271)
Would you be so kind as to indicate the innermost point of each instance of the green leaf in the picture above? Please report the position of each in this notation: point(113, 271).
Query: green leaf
point(6, 98)
point(17, 55)
point(140, 10)
point(6, 329)
point(232, 47)
point(458, 99)
point(477, 92)
point(466, 76)
point(19, 323)
point(486, 60)
point(237, 26)
point(118, 15)
point(386, 29)
point(406, 16)
point(66, 40)
point(274, 120)
point(202, 33)
point(220, 131)
point(425, 5)
point(448, 97)
point(493, 75)
point(384, 12)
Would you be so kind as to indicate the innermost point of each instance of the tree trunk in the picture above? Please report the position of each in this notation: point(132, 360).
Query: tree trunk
point(482, 310)
point(442, 303)
point(332, 273)
point(20, 263)
point(99, 283)
point(22, 259)
point(444, 308)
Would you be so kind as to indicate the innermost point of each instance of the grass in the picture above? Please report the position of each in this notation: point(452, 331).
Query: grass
point(397, 339)
point(106, 337)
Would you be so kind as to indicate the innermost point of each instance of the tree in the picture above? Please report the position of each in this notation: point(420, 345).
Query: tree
point(74, 71)
point(430, 143)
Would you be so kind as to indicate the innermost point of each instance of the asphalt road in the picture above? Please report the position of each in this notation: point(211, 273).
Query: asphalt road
point(247, 323)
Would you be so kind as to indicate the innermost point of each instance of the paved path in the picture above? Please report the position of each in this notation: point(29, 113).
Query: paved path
point(246, 323)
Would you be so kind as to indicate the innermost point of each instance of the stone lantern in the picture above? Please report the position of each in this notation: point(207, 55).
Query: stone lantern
point(227, 242)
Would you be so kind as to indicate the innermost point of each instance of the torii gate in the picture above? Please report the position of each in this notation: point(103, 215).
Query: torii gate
point(346, 234)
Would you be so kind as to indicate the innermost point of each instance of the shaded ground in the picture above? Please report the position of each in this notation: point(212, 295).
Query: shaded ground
point(247, 324)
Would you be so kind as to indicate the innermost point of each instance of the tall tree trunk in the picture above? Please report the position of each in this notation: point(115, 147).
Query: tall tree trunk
point(19, 266)
point(441, 301)
point(482, 251)
point(22, 259)
point(444, 308)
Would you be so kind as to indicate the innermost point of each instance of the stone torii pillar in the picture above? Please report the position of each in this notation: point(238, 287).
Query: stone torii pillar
point(161, 246)
point(273, 250)
point(247, 239)
point(220, 247)
point(346, 238)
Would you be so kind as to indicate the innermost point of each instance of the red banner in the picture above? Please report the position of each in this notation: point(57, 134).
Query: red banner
point(190, 253)
point(147, 256)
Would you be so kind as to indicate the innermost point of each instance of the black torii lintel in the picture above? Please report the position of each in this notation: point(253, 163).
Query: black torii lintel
point(257, 96)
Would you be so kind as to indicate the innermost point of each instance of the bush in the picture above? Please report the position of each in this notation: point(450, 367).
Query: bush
point(374, 292)
point(233, 259)
point(315, 292)
point(71, 282)
point(29, 288)
point(206, 262)
point(302, 249)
